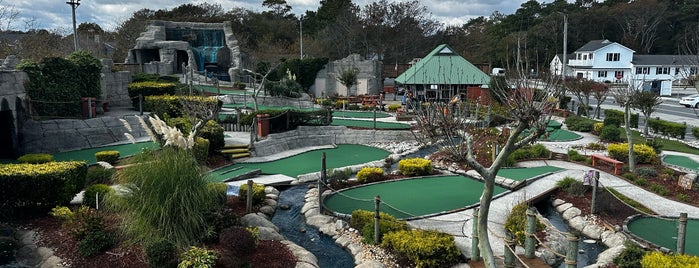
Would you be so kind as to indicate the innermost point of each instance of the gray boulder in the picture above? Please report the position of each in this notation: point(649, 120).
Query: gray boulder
point(257, 220)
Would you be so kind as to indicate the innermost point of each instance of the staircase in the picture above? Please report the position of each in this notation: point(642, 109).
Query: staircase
point(236, 151)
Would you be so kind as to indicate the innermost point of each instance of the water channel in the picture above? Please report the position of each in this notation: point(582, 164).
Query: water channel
point(587, 252)
point(292, 225)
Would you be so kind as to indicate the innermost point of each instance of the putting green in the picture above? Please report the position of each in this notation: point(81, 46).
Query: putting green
point(88, 155)
point(681, 161)
point(359, 114)
point(214, 90)
point(308, 162)
point(266, 107)
point(411, 198)
point(369, 124)
point(520, 174)
point(663, 232)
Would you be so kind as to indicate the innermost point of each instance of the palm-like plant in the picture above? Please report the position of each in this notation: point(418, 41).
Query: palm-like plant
point(348, 78)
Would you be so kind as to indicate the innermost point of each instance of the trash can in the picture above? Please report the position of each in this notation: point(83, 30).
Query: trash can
point(262, 125)
point(88, 107)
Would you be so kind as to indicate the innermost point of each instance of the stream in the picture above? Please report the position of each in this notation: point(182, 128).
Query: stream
point(587, 252)
point(291, 223)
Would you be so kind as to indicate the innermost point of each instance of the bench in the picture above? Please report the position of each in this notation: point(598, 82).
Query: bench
point(616, 163)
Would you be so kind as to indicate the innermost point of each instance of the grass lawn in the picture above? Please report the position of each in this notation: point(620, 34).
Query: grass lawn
point(520, 174)
point(369, 124)
point(668, 145)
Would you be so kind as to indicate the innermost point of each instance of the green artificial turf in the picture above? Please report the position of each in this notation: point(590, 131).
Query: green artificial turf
point(88, 155)
point(524, 173)
point(308, 162)
point(682, 161)
point(562, 135)
point(359, 114)
point(368, 124)
point(250, 105)
point(663, 232)
point(214, 90)
point(411, 197)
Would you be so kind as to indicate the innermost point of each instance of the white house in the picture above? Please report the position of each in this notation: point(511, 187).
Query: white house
point(606, 61)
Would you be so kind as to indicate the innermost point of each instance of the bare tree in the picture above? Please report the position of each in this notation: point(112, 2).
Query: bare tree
point(528, 104)
point(8, 16)
point(623, 96)
point(639, 21)
point(646, 101)
point(261, 79)
point(582, 89)
point(600, 91)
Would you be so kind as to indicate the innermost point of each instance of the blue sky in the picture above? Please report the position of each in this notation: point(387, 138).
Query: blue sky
point(56, 14)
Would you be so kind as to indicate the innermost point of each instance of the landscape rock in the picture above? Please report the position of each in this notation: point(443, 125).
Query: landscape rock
point(557, 202)
point(593, 231)
point(257, 220)
point(269, 210)
point(607, 256)
point(266, 233)
point(571, 212)
point(370, 264)
point(577, 223)
point(319, 220)
point(563, 207)
point(302, 255)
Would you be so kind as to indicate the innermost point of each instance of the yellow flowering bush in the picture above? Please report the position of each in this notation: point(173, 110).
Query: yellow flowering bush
point(42, 186)
point(110, 157)
point(660, 260)
point(620, 151)
point(370, 174)
point(597, 127)
point(415, 167)
point(424, 248)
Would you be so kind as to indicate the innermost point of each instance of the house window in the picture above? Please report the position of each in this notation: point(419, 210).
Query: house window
point(585, 57)
point(613, 56)
point(619, 74)
point(677, 71)
point(591, 56)
point(642, 70)
point(602, 74)
point(693, 71)
point(662, 70)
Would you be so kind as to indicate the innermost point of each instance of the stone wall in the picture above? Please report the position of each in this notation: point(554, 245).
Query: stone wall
point(115, 85)
point(369, 78)
point(305, 136)
point(12, 106)
point(51, 136)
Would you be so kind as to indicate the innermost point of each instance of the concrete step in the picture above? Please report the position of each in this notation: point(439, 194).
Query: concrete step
point(235, 151)
point(239, 155)
point(235, 146)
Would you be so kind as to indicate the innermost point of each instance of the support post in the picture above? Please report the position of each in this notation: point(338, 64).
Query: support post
point(595, 183)
point(140, 103)
point(89, 108)
point(377, 218)
point(321, 181)
point(681, 233)
point(374, 118)
point(529, 240)
point(571, 260)
point(475, 251)
point(509, 250)
point(248, 200)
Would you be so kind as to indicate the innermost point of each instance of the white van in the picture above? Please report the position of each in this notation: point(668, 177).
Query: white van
point(498, 72)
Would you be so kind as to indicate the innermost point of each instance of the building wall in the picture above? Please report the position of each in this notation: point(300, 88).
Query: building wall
point(369, 78)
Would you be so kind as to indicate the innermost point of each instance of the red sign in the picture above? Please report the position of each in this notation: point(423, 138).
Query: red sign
point(618, 76)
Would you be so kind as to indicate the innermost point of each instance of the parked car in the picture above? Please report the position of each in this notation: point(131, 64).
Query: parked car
point(690, 101)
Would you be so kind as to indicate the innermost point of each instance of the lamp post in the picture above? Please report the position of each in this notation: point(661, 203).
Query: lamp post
point(301, 36)
point(74, 4)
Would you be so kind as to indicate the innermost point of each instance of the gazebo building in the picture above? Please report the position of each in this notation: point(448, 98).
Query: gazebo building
point(443, 74)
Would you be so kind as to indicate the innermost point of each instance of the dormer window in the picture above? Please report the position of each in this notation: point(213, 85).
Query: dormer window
point(613, 56)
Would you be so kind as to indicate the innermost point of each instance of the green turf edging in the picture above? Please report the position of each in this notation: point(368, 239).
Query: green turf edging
point(88, 155)
point(663, 232)
point(369, 124)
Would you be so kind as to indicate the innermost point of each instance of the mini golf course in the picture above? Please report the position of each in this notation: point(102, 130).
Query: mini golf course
point(663, 233)
point(523, 173)
point(308, 162)
point(223, 90)
point(125, 150)
point(260, 107)
point(369, 124)
point(409, 198)
point(359, 114)
point(681, 161)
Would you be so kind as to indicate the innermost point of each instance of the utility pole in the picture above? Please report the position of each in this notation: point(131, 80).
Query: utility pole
point(565, 47)
point(301, 36)
point(74, 4)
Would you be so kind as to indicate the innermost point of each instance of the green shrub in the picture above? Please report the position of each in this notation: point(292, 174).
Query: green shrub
point(415, 167)
point(672, 129)
point(695, 132)
point(213, 132)
point(618, 116)
point(83, 221)
point(62, 213)
point(369, 174)
point(339, 175)
point(683, 197)
point(659, 189)
point(656, 144)
point(88, 73)
point(578, 123)
point(98, 174)
point(201, 149)
point(641, 182)
point(41, 186)
point(424, 248)
point(596, 146)
point(597, 127)
point(56, 85)
point(35, 158)
point(630, 257)
point(101, 190)
point(571, 186)
point(95, 242)
point(646, 172)
point(197, 257)
point(516, 222)
point(574, 155)
point(620, 151)
point(362, 218)
point(613, 121)
point(610, 133)
point(8, 246)
point(238, 241)
point(161, 254)
point(258, 193)
point(110, 157)
point(387, 224)
point(149, 88)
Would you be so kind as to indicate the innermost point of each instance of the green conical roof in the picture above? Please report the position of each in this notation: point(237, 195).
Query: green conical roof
point(443, 67)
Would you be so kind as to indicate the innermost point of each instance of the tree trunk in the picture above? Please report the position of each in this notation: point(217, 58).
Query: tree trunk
point(629, 137)
point(645, 122)
point(484, 241)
